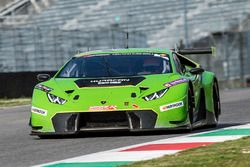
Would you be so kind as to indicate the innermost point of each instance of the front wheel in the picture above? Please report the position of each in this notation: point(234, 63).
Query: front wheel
point(190, 108)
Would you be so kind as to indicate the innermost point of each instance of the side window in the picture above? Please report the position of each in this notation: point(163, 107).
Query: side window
point(179, 67)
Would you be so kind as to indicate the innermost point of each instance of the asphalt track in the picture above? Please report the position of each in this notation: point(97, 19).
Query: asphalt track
point(17, 148)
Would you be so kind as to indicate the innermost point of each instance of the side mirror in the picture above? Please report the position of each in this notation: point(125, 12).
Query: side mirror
point(43, 77)
point(196, 71)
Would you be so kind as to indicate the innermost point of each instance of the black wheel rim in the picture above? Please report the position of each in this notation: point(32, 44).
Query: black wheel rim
point(216, 102)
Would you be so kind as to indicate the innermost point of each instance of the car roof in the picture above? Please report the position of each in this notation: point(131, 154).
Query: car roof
point(125, 51)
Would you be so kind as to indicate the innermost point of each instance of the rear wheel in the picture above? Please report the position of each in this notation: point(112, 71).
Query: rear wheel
point(202, 106)
point(216, 100)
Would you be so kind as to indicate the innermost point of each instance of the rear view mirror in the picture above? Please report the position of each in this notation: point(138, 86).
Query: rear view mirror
point(43, 77)
point(196, 71)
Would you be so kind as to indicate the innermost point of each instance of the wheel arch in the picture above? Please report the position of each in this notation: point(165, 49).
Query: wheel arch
point(208, 80)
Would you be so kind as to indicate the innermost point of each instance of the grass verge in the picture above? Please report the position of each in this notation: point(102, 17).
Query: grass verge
point(14, 102)
point(234, 153)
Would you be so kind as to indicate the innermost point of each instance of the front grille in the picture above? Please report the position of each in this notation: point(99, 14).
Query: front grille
point(103, 120)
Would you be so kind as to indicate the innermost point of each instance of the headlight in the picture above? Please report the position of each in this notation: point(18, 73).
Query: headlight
point(155, 95)
point(43, 88)
point(56, 99)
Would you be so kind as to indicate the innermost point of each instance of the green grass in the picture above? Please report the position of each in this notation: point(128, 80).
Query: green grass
point(234, 153)
point(14, 102)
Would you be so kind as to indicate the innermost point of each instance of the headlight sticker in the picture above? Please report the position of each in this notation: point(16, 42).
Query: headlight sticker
point(175, 82)
point(55, 99)
point(39, 111)
point(155, 95)
point(171, 106)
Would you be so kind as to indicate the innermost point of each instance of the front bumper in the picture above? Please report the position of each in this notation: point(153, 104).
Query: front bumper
point(74, 122)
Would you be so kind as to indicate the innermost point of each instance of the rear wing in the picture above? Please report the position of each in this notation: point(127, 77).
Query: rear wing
point(197, 51)
point(193, 51)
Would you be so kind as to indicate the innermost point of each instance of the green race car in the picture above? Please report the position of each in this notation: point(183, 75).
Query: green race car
point(126, 89)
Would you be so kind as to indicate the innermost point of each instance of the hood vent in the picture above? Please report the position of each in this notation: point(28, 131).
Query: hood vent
point(143, 88)
point(69, 91)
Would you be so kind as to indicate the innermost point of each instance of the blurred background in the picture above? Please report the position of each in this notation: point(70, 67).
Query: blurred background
point(39, 36)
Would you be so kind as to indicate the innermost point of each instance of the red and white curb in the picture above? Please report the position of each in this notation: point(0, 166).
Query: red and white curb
point(159, 148)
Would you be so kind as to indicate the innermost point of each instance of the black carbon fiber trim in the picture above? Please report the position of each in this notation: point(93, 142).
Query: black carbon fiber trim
point(85, 121)
point(121, 81)
point(112, 119)
point(65, 122)
point(147, 119)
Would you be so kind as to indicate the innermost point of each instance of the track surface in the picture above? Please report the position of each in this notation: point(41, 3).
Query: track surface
point(17, 148)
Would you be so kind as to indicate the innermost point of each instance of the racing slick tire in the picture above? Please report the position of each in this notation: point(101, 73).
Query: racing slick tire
point(190, 109)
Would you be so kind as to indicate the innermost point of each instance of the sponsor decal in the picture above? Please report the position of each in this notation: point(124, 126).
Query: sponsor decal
point(125, 54)
point(115, 54)
point(175, 82)
point(108, 82)
point(171, 106)
point(39, 111)
point(135, 106)
point(102, 108)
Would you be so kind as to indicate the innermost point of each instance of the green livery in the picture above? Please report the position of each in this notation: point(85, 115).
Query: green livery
point(126, 89)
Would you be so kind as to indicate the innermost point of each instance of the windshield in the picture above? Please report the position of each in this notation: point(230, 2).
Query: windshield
point(115, 66)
